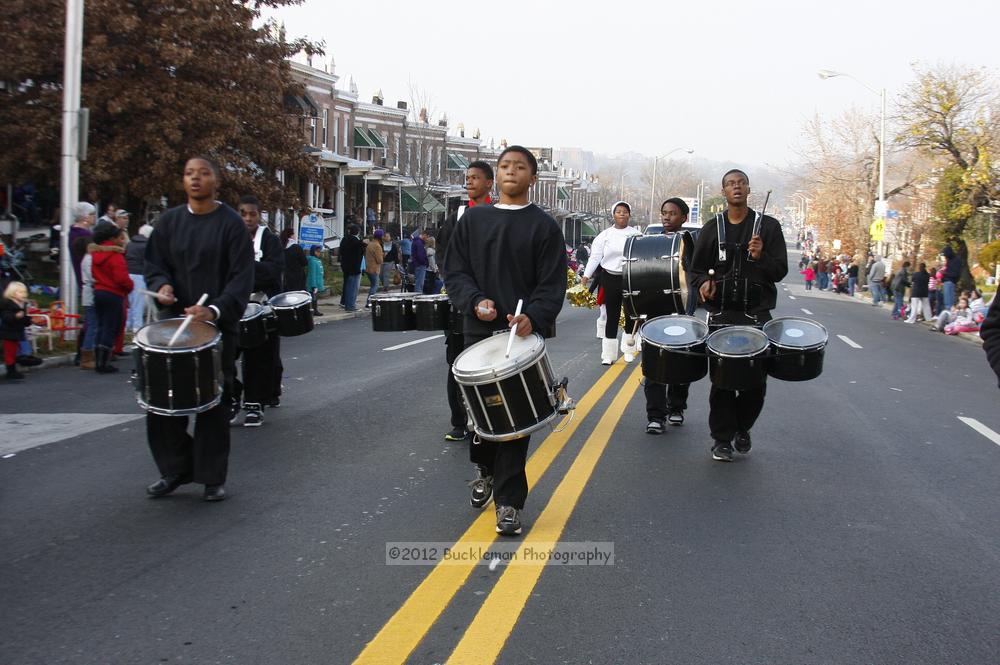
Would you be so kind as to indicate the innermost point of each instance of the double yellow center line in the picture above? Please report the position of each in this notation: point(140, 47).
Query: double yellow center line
point(490, 628)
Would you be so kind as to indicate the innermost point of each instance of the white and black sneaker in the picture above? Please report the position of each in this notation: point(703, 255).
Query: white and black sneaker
point(676, 417)
point(482, 488)
point(722, 451)
point(254, 416)
point(654, 427)
point(508, 522)
point(234, 413)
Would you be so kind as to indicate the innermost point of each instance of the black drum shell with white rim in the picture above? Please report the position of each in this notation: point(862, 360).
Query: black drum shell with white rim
point(507, 398)
point(673, 349)
point(179, 380)
point(253, 326)
point(456, 321)
point(797, 348)
point(738, 358)
point(393, 312)
point(432, 312)
point(292, 312)
point(654, 279)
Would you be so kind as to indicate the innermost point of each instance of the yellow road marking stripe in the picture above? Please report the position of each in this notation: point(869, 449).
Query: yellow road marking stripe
point(404, 630)
point(495, 620)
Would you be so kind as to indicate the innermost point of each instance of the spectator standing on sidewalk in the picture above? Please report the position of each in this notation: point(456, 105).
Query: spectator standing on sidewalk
point(932, 290)
point(852, 277)
point(13, 321)
point(875, 276)
point(374, 258)
point(352, 253)
point(418, 261)
point(112, 286)
point(919, 294)
point(822, 276)
point(135, 256)
point(810, 275)
point(314, 277)
point(900, 282)
point(295, 262)
point(952, 271)
point(405, 246)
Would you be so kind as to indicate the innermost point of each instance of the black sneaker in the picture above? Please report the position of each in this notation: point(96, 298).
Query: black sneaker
point(722, 451)
point(676, 417)
point(482, 488)
point(508, 522)
point(742, 442)
point(234, 413)
point(254, 416)
point(457, 434)
point(654, 427)
point(274, 403)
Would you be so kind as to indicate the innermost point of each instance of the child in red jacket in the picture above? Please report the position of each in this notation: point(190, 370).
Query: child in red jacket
point(111, 287)
point(810, 274)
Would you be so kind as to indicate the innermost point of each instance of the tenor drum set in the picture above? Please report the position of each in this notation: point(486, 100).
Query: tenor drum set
point(185, 378)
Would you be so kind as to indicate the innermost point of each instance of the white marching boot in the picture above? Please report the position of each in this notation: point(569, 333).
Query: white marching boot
point(600, 328)
point(631, 345)
point(609, 351)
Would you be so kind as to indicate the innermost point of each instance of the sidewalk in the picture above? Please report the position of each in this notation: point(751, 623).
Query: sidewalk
point(864, 298)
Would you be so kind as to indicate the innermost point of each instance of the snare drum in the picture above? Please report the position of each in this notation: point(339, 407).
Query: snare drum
point(432, 312)
point(737, 358)
point(292, 312)
point(456, 321)
point(654, 280)
point(507, 398)
point(393, 312)
point(182, 379)
point(799, 345)
point(253, 326)
point(673, 349)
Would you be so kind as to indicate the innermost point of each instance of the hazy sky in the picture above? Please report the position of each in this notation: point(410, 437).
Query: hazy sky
point(733, 80)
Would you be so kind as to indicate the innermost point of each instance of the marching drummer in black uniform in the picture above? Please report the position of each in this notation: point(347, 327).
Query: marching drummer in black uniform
point(261, 364)
point(199, 248)
point(499, 254)
point(478, 184)
point(746, 252)
point(667, 403)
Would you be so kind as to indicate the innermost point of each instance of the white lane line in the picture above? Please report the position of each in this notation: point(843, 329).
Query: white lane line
point(982, 429)
point(416, 341)
point(806, 311)
point(792, 297)
point(849, 342)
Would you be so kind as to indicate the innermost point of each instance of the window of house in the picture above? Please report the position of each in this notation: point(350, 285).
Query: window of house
point(396, 153)
point(326, 127)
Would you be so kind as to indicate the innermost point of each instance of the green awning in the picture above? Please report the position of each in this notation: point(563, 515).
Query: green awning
point(587, 230)
point(412, 202)
point(562, 193)
point(361, 139)
point(377, 139)
point(457, 162)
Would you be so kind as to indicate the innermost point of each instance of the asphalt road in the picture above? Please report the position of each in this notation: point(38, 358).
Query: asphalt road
point(861, 528)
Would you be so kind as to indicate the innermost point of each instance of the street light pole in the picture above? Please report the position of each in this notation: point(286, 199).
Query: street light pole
point(70, 185)
point(652, 187)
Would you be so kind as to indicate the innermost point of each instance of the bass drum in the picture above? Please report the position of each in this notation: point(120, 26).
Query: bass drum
point(654, 279)
point(799, 345)
point(507, 398)
point(737, 358)
point(673, 349)
point(179, 380)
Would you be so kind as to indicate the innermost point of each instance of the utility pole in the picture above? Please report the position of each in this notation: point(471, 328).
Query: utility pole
point(71, 142)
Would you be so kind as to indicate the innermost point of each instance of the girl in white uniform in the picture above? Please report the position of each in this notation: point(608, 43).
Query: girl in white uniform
point(607, 252)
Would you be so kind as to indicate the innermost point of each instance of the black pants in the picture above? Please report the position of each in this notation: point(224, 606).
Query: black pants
point(109, 308)
point(204, 457)
point(504, 460)
point(661, 399)
point(261, 372)
point(733, 411)
point(454, 345)
point(613, 305)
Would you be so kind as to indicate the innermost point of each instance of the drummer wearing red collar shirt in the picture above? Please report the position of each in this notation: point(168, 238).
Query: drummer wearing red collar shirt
point(478, 184)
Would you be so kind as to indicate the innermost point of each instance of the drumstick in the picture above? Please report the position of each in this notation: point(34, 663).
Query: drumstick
point(513, 330)
point(187, 320)
point(154, 294)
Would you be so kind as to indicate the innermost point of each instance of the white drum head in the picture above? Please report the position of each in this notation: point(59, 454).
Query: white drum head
point(486, 359)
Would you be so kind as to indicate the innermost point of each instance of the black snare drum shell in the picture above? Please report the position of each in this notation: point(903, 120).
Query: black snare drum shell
point(393, 315)
point(252, 333)
point(729, 373)
point(796, 364)
point(673, 367)
point(432, 314)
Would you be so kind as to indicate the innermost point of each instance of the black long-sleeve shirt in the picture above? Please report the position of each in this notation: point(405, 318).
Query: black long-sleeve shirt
point(199, 254)
point(505, 255)
point(268, 271)
point(771, 267)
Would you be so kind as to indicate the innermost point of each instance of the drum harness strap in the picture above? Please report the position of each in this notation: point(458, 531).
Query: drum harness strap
point(720, 224)
point(258, 238)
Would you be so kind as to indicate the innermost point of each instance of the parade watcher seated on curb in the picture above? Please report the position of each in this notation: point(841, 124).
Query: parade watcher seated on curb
point(958, 319)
